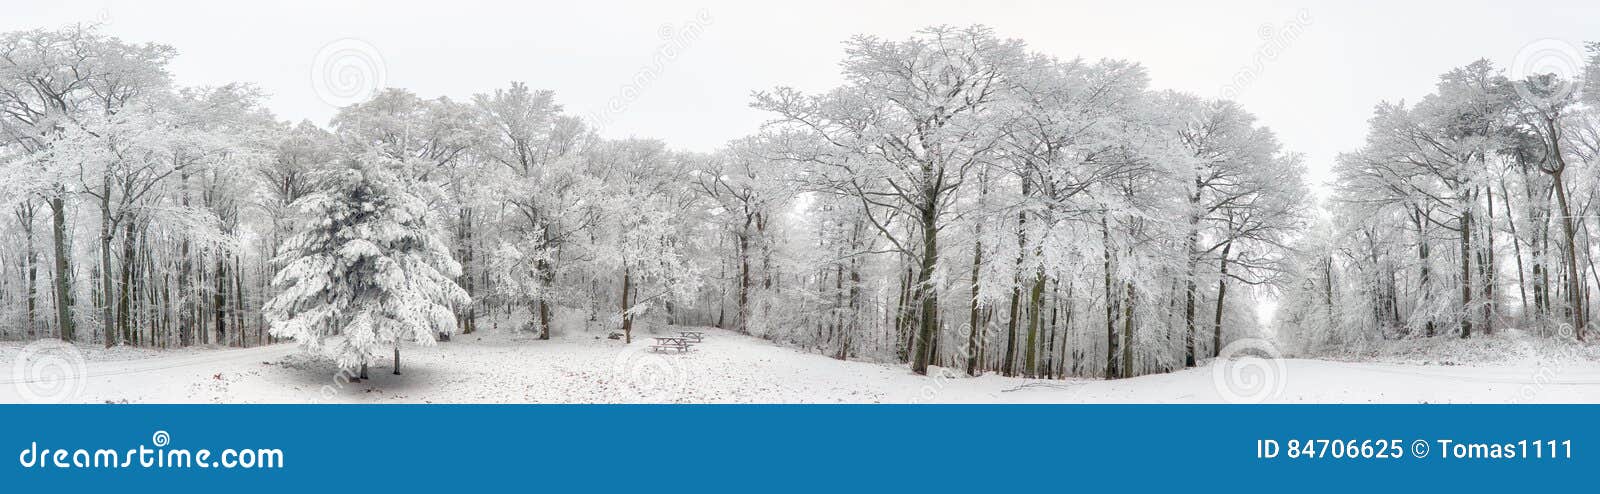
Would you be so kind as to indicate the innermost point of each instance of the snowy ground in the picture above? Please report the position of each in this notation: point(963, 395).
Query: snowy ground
point(728, 368)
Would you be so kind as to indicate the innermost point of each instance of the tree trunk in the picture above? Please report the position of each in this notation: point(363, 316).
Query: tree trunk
point(1544, 271)
point(547, 278)
point(855, 300)
point(1538, 245)
point(1191, 284)
point(238, 300)
point(544, 318)
point(219, 301)
point(1111, 320)
point(1574, 281)
point(1516, 246)
point(30, 260)
point(1486, 265)
point(1188, 320)
point(972, 322)
point(1076, 354)
point(63, 269)
point(1327, 288)
point(903, 318)
point(189, 312)
point(125, 293)
point(1127, 332)
point(838, 333)
point(1008, 364)
point(923, 353)
point(1030, 362)
point(744, 280)
point(107, 312)
point(766, 253)
point(1422, 257)
point(469, 316)
point(627, 316)
point(1466, 272)
point(1222, 293)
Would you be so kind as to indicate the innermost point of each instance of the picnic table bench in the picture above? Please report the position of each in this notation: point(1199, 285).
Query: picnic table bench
point(697, 336)
point(663, 343)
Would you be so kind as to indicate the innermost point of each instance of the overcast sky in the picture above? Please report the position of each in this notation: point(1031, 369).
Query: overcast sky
point(1310, 70)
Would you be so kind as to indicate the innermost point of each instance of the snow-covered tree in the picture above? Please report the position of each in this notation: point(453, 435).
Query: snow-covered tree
point(534, 153)
point(905, 133)
point(749, 187)
point(641, 232)
point(370, 272)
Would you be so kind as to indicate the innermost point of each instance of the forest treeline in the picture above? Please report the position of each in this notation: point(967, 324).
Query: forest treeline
point(959, 201)
point(1465, 212)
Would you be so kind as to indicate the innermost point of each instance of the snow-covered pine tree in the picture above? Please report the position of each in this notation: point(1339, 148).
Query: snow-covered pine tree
point(367, 270)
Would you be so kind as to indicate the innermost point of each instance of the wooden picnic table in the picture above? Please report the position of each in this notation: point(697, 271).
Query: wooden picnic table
point(678, 343)
point(697, 336)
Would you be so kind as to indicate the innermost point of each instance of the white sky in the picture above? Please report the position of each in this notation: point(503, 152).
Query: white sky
point(1317, 93)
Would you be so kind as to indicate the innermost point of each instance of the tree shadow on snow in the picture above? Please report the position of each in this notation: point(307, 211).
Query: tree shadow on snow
point(325, 382)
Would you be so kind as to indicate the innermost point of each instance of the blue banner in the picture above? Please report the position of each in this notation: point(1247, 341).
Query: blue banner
point(745, 448)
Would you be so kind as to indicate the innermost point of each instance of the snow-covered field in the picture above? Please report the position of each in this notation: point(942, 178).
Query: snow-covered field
point(729, 368)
